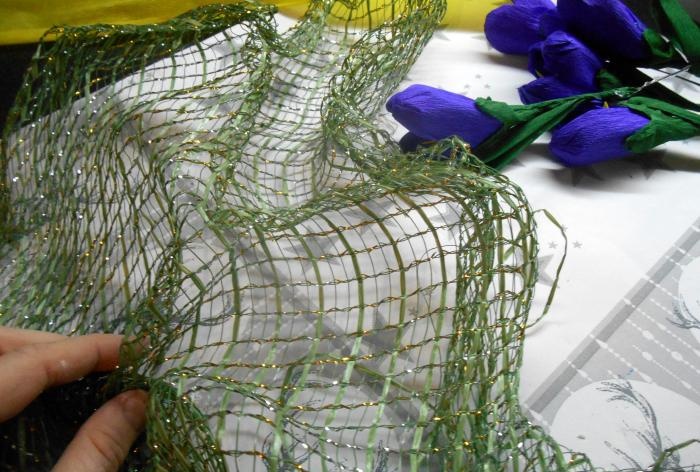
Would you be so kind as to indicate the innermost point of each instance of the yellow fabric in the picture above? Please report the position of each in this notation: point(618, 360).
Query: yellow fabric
point(25, 21)
point(461, 14)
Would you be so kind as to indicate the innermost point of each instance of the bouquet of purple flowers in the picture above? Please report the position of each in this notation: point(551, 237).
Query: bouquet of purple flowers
point(587, 91)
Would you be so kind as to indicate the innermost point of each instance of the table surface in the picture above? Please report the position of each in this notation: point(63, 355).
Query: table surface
point(612, 371)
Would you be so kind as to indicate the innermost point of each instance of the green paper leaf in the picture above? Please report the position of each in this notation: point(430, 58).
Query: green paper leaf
point(668, 123)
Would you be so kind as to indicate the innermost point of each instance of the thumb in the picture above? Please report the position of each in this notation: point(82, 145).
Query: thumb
point(103, 442)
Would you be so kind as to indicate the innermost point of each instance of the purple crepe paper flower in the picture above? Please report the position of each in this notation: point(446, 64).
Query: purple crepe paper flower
point(512, 29)
point(563, 56)
point(546, 88)
point(410, 142)
point(435, 114)
point(608, 25)
point(595, 136)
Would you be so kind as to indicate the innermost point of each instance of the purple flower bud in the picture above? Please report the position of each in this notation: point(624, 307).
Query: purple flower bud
point(410, 142)
point(534, 3)
point(550, 21)
point(512, 29)
point(607, 25)
point(563, 56)
point(435, 114)
point(546, 88)
point(597, 135)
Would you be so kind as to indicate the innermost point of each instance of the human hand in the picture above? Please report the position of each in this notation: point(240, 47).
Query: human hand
point(32, 361)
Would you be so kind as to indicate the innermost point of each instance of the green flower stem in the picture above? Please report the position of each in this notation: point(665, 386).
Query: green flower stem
point(668, 123)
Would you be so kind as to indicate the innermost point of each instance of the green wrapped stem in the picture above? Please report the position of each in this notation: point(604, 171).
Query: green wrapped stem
point(668, 123)
point(684, 29)
point(522, 124)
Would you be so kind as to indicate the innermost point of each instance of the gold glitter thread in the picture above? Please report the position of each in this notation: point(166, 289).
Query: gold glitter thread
point(312, 298)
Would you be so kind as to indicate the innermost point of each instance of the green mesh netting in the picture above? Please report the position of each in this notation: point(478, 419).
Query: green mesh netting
point(312, 298)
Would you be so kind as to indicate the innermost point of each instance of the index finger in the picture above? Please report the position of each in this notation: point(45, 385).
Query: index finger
point(29, 370)
point(14, 338)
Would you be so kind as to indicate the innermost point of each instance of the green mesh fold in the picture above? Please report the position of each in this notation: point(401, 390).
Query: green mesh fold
point(222, 190)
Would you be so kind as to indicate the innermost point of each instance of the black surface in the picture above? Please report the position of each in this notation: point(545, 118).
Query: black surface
point(34, 440)
point(642, 8)
point(13, 62)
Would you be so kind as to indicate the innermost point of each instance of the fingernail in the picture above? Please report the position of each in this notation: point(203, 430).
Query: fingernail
point(133, 405)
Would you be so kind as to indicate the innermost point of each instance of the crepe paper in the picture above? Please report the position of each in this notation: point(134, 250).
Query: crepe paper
point(684, 29)
point(522, 124)
point(595, 136)
point(310, 297)
point(435, 114)
point(563, 56)
point(567, 67)
point(606, 80)
point(546, 88)
point(549, 88)
point(667, 123)
point(513, 28)
point(635, 125)
point(609, 26)
point(638, 125)
point(409, 142)
point(496, 131)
